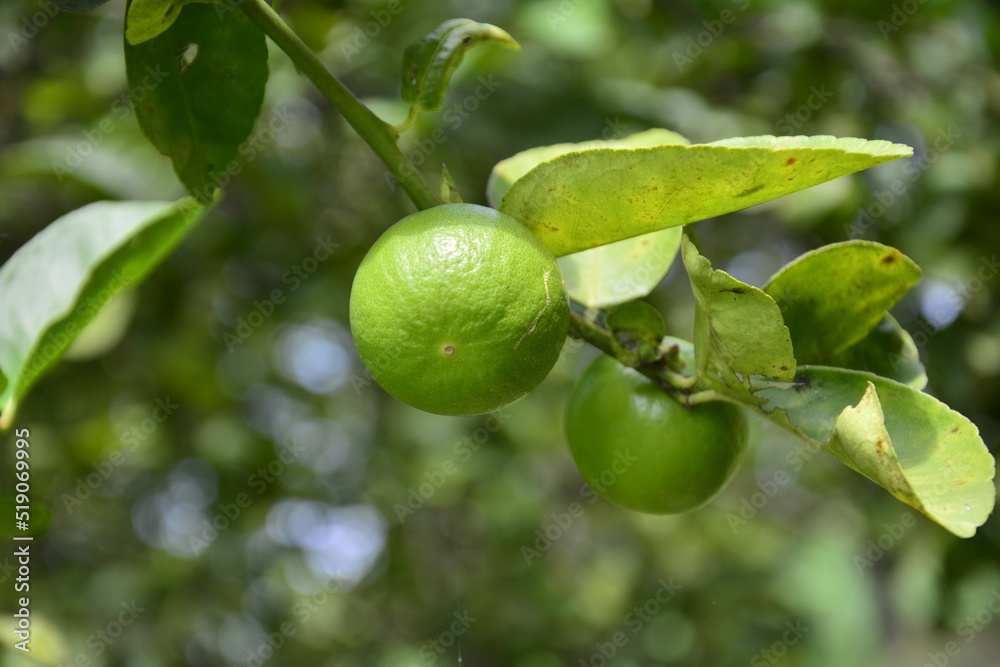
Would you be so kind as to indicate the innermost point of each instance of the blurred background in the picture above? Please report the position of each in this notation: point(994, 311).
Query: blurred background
point(224, 485)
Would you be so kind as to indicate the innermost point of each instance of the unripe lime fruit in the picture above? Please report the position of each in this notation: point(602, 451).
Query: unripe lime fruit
point(640, 447)
point(459, 310)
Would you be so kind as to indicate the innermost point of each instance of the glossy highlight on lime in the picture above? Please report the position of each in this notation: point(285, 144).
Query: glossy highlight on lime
point(459, 310)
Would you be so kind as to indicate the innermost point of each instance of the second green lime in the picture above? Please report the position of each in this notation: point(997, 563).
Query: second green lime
point(640, 447)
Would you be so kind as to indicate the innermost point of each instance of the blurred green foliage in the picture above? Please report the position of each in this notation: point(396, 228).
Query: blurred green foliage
point(353, 530)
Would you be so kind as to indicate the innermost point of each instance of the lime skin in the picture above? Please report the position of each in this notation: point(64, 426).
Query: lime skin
point(459, 310)
point(642, 448)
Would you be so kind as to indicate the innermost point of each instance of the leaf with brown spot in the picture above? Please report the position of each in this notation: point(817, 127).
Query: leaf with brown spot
point(607, 193)
point(832, 297)
point(916, 447)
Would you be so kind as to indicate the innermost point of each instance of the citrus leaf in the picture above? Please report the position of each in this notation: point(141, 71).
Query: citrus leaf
point(683, 353)
point(197, 89)
point(429, 62)
point(636, 319)
point(638, 328)
point(591, 197)
point(111, 171)
point(888, 350)
point(105, 331)
point(738, 330)
point(449, 193)
point(832, 297)
point(919, 449)
point(148, 18)
point(622, 271)
point(61, 279)
point(509, 170)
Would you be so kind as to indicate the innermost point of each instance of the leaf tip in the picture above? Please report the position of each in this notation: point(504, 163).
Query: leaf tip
point(131, 37)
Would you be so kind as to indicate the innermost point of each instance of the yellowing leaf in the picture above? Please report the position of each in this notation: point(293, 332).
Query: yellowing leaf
point(919, 449)
point(584, 199)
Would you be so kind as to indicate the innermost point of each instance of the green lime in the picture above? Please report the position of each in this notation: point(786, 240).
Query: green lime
point(459, 310)
point(640, 447)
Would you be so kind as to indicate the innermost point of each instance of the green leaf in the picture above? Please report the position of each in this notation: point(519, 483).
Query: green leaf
point(637, 327)
point(197, 89)
point(61, 279)
point(113, 173)
point(888, 350)
point(429, 62)
point(636, 319)
point(588, 198)
point(506, 172)
point(622, 271)
point(923, 452)
point(449, 193)
point(148, 18)
point(682, 352)
point(738, 330)
point(832, 297)
point(105, 331)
